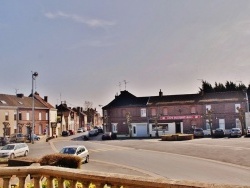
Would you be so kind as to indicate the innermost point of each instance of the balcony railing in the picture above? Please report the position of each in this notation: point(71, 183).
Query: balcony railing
point(80, 178)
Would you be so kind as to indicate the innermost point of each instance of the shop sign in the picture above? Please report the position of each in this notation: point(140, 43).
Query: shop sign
point(180, 117)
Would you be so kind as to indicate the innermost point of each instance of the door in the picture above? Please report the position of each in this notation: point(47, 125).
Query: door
point(178, 127)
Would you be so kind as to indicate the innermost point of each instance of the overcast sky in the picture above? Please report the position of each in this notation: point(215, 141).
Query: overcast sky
point(83, 49)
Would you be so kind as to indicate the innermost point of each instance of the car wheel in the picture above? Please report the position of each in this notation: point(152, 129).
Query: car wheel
point(87, 159)
point(25, 153)
point(12, 156)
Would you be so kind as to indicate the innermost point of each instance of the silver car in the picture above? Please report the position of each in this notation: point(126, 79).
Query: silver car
point(14, 150)
point(235, 132)
point(77, 150)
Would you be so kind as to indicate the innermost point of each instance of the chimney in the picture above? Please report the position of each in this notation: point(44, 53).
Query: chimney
point(160, 93)
point(20, 95)
point(46, 98)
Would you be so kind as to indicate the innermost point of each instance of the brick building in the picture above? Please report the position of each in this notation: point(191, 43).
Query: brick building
point(128, 115)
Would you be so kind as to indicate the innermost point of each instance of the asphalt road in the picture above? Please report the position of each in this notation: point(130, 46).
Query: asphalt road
point(205, 160)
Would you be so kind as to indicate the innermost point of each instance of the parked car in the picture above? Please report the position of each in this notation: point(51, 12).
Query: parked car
point(100, 130)
point(219, 133)
point(65, 133)
point(77, 150)
point(14, 150)
point(35, 137)
point(4, 141)
point(107, 136)
point(248, 131)
point(71, 132)
point(198, 133)
point(18, 137)
point(80, 130)
point(93, 132)
point(235, 132)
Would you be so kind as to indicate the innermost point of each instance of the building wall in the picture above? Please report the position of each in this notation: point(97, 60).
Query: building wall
point(222, 109)
point(11, 121)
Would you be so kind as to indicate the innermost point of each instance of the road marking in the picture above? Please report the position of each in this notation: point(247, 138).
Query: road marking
point(107, 149)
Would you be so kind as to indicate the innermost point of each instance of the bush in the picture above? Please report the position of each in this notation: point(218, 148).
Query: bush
point(62, 160)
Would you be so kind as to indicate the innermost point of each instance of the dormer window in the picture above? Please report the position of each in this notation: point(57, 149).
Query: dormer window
point(3, 102)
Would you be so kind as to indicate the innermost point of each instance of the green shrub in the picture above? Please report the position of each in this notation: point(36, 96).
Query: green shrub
point(63, 160)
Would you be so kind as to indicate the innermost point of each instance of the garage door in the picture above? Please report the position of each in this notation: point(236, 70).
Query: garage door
point(141, 130)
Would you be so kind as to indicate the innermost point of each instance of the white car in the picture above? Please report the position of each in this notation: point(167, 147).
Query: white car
point(14, 150)
point(248, 131)
point(77, 150)
point(80, 130)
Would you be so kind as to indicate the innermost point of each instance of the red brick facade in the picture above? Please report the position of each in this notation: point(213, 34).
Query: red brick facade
point(182, 112)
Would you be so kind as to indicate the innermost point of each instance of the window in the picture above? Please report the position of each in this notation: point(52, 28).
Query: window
point(15, 116)
point(134, 129)
point(6, 116)
point(143, 112)
point(3, 102)
point(165, 111)
point(114, 128)
point(193, 110)
point(105, 112)
point(236, 108)
point(153, 111)
point(208, 107)
point(40, 116)
point(27, 116)
point(20, 116)
point(47, 116)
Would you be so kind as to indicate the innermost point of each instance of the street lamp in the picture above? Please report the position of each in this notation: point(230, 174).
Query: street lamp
point(34, 75)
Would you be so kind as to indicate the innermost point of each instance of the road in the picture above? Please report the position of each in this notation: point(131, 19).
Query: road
point(204, 160)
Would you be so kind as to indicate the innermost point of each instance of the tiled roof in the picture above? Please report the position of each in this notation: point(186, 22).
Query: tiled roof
point(169, 99)
point(22, 101)
point(48, 105)
point(127, 99)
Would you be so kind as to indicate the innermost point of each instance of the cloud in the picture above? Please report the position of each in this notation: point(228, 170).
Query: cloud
point(79, 19)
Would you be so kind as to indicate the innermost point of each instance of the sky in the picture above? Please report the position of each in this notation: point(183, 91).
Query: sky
point(90, 50)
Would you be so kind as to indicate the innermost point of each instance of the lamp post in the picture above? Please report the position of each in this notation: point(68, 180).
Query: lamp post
point(34, 75)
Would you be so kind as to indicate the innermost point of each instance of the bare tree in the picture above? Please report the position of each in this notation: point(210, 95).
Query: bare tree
point(88, 105)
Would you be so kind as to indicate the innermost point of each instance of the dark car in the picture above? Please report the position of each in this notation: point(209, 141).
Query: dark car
point(4, 141)
point(108, 136)
point(65, 133)
point(219, 133)
point(93, 132)
point(198, 133)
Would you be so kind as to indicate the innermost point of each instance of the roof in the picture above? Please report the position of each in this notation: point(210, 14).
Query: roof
point(170, 99)
point(127, 99)
point(45, 103)
point(19, 100)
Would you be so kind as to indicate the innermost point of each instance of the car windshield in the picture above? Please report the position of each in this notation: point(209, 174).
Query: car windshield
point(198, 130)
point(68, 150)
point(8, 147)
